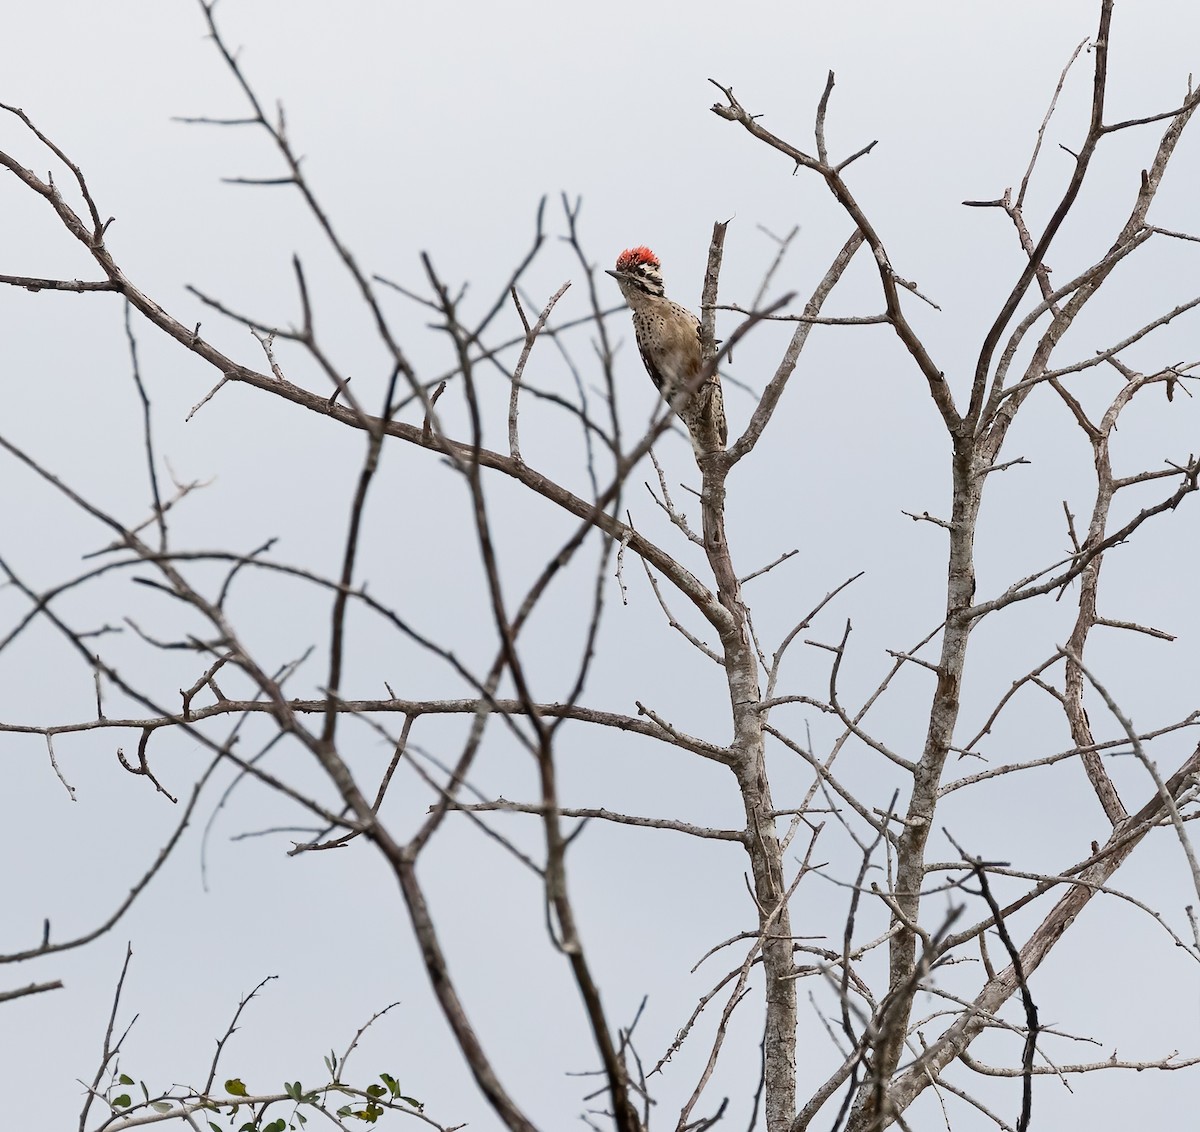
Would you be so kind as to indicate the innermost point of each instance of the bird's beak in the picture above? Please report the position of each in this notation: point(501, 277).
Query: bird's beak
point(612, 273)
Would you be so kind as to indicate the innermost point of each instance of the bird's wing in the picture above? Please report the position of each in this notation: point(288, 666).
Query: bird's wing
point(656, 375)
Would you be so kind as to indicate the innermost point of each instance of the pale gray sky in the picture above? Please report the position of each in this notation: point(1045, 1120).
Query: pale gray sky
point(438, 127)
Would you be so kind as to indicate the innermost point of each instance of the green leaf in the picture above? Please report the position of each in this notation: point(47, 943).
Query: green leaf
point(162, 1106)
point(292, 1090)
point(124, 1079)
point(391, 1083)
point(279, 1125)
point(344, 1110)
point(123, 1101)
point(235, 1088)
point(412, 1102)
point(376, 1091)
point(215, 1127)
point(331, 1063)
point(301, 1117)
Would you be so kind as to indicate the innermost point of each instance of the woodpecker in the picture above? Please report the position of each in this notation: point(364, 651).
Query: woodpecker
point(668, 338)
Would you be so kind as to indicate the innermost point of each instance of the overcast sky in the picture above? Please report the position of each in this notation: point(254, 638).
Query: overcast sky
point(438, 128)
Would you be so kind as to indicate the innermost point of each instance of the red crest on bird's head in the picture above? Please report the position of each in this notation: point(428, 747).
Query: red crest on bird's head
point(636, 257)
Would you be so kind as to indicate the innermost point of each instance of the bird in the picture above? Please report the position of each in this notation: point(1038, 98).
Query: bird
point(668, 338)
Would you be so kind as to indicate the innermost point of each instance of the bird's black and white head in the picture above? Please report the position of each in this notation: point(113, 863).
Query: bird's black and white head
point(638, 274)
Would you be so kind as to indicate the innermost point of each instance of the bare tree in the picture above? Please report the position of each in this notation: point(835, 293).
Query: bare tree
point(975, 949)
